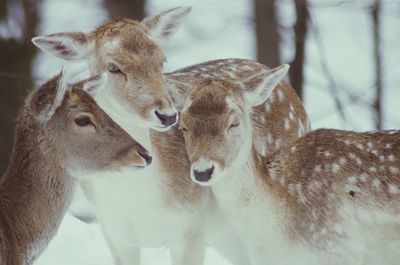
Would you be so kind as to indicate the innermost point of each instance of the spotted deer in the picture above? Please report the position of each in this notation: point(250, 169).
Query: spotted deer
point(330, 197)
point(176, 208)
point(61, 135)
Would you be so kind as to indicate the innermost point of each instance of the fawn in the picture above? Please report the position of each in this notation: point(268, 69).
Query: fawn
point(121, 47)
point(331, 197)
point(61, 135)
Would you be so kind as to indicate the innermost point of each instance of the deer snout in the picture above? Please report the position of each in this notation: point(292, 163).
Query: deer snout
point(134, 157)
point(203, 176)
point(167, 119)
point(203, 171)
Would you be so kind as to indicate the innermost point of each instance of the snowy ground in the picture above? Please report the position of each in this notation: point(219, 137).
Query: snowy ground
point(222, 29)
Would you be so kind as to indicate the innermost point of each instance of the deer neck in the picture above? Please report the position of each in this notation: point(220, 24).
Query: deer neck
point(34, 193)
point(240, 177)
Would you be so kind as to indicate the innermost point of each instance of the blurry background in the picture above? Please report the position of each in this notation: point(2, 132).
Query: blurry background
point(344, 55)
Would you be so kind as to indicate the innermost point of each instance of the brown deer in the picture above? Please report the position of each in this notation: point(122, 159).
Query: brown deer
point(61, 135)
point(175, 206)
point(331, 197)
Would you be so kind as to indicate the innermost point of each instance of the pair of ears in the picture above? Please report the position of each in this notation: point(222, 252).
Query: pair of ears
point(257, 88)
point(78, 45)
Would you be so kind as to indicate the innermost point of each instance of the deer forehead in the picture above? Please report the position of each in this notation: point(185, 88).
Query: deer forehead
point(128, 39)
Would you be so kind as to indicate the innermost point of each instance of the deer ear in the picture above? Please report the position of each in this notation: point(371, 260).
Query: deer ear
point(266, 83)
point(165, 24)
point(178, 91)
point(65, 45)
point(94, 84)
point(61, 88)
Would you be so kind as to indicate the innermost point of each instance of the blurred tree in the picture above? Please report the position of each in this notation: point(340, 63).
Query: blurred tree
point(375, 13)
point(300, 35)
point(267, 32)
point(125, 8)
point(19, 19)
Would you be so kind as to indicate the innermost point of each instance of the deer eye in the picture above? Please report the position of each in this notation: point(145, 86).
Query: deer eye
point(113, 68)
point(83, 121)
point(234, 124)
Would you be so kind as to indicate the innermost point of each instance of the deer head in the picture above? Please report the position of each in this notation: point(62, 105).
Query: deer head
point(130, 52)
point(86, 139)
point(216, 123)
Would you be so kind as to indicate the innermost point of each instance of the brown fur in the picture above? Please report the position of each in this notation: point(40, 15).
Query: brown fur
point(268, 119)
point(332, 157)
point(314, 188)
point(36, 189)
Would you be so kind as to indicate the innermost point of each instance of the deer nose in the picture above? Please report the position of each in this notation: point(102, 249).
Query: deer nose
point(203, 176)
point(146, 156)
point(165, 119)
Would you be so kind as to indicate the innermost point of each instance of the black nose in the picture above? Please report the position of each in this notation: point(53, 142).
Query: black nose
point(166, 120)
point(146, 157)
point(204, 175)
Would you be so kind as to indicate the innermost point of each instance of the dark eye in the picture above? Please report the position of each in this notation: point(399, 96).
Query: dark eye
point(113, 68)
point(83, 121)
point(235, 124)
point(183, 129)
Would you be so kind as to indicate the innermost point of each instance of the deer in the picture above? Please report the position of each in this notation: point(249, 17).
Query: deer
point(61, 136)
point(177, 210)
point(330, 197)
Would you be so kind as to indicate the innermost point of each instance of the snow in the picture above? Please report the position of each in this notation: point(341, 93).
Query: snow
point(223, 29)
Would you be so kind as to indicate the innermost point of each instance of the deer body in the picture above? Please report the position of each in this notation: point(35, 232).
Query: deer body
point(163, 207)
point(325, 199)
point(51, 146)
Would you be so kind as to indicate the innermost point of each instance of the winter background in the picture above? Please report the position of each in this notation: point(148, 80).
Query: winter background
point(340, 73)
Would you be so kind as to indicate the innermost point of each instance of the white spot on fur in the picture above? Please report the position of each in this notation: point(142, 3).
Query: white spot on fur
point(267, 107)
point(287, 124)
point(293, 149)
point(281, 96)
point(278, 143)
point(360, 146)
point(291, 116)
point(388, 146)
point(393, 189)
point(372, 169)
point(318, 168)
point(391, 157)
point(335, 168)
point(394, 170)
point(342, 161)
point(364, 177)
point(314, 185)
point(352, 156)
point(327, 154)
point(269, 139)
point(352, 180)
point(376, 183)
